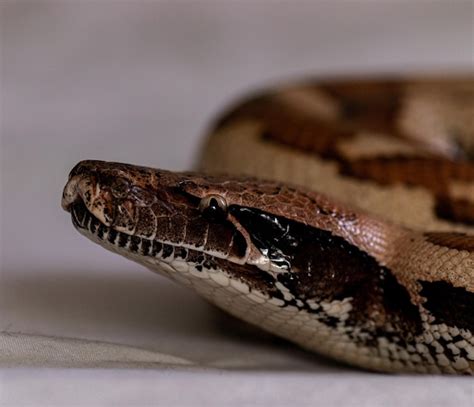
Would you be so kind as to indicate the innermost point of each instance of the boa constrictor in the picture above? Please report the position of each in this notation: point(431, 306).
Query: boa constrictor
point(345, 222)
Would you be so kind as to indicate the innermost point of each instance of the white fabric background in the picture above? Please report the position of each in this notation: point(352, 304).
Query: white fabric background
point(138, 81)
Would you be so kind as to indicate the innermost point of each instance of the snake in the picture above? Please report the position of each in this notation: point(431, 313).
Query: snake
point(336, 213)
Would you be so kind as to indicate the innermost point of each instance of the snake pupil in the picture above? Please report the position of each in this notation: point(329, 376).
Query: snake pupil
point(214, 208)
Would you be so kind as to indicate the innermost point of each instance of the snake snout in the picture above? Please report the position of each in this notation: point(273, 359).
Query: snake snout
point(71, 193)
point(108, 191)
point(83, 191)
point(79, 185)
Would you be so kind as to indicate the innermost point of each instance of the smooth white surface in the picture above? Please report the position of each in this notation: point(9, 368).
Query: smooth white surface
point(138, 82)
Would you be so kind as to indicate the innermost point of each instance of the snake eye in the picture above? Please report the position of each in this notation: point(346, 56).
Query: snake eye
point(213, 208)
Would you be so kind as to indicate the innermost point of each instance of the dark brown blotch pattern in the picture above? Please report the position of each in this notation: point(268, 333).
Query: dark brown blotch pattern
point(453, 306)
point(452, 240)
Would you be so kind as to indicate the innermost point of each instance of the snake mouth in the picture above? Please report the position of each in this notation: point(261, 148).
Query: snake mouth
point(147, 251)
point(87, 224)
point(85, 220)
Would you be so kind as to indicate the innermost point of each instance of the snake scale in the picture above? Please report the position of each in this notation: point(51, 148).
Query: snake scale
point(337, 214)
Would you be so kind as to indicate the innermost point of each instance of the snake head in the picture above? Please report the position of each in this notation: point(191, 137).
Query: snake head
point(148, 205)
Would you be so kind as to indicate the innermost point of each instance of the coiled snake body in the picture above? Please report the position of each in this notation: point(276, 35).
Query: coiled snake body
point(345, 223)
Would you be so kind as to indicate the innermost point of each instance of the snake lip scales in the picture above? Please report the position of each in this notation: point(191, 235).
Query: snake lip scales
point(283, 258)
